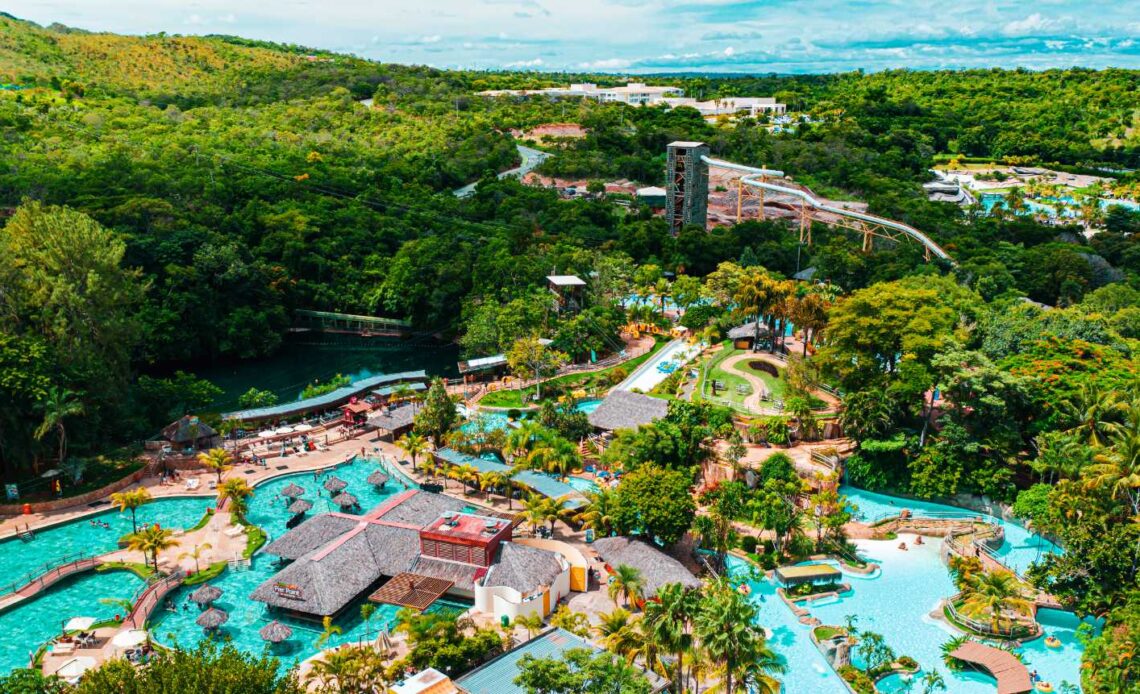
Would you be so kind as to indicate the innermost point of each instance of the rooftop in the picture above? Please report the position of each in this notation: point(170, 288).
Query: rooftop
point(566, 280)
point(536, 481)
point(808, 573)
point(656, 567)
point(466, 526)
point(429, 681)
point(623, 409)
point(498, 675)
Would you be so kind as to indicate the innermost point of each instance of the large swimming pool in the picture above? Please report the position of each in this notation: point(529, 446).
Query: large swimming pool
point(1020, 550)
point(267, 509)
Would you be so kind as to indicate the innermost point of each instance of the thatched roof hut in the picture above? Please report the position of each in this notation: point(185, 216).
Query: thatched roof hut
point(623, 409)
point(377, 479)
point(345, 500)
point(275, 632)
point(205, 595)
point(212, 618)
point(747, 331)
point(656, 567)
point(335, 484)
point(190, 431)
point(299, 506)
point(293, 491)
point(523, 568)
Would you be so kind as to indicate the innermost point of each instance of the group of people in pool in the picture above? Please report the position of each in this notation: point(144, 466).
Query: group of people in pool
point(917, 541)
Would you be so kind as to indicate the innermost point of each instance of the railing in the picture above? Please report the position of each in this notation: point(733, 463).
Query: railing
point(1015, 630)
point(46, 570)
point(148, 597)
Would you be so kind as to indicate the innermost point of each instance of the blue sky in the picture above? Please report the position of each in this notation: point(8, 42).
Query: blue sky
point(632, 36)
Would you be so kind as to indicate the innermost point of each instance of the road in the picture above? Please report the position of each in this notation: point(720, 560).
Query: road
point(531, 158)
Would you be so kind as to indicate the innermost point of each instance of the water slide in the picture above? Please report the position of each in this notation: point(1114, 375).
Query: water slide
point(751, 179)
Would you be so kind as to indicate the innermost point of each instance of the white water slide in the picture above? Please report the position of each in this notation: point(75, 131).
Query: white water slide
point(752, 176)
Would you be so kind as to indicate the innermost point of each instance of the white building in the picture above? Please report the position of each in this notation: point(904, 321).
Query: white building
point(753, 105)
point(633, 93)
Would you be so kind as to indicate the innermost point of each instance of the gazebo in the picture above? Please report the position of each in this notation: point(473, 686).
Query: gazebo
point(212, 618)
point(190, 432)
point(335, 484)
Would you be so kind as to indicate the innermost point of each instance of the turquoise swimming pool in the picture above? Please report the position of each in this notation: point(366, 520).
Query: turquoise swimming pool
point(28, 626)
point(587, 406)
point(582, 484)
point(1019, 551)
point(267, 509)
point(49, 544)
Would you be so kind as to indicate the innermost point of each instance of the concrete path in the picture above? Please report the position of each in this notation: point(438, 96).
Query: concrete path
point(531, 158)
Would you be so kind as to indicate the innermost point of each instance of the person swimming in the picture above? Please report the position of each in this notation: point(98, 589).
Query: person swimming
point(902, 546)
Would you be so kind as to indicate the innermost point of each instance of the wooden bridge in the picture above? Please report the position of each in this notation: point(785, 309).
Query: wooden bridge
point(31, 585)
point(151, 597)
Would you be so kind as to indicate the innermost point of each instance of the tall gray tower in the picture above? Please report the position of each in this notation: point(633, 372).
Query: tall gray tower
point(687, 198)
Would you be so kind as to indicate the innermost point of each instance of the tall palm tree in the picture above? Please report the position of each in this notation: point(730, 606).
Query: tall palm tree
point(1117, 467)
point(627, 583)
point(532, 623)
point(131, 500)
point(668, 622)
point(809, 313)
point(729, 636)
point(1094, 411)
point(932, 682)
point(615, 631)
point(328, 630)
point(753, 297)
point(216, 459)
point(756, 677)
point(413, 444)
point(337, 670)
point(535, 507)
point(992, 593)
point(555, 454)
point(236, 491)
point(196, 553)
point(465, 474)
point(521, 441)
point(58, 404)
point(598, 511)
point(150, 541)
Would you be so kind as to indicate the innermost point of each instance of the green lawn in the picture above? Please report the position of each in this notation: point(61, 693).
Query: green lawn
point(732, 380)
point(587, 381)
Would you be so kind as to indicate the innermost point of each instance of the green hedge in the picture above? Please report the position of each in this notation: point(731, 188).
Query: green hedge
point(208, 574)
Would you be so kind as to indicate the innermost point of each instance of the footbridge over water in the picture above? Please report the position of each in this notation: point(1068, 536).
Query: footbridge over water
point(686, 200)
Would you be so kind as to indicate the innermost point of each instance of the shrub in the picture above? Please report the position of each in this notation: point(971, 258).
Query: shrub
point(907, 662)
point(748, 543)
point(858, 679)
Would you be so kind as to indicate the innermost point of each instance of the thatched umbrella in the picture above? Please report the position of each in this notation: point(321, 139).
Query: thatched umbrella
point(335, 484)
point(293, 491)
point(345, 500)
point(205, 595)
point(275, 632)
point(299, 506)
point(212, 618)
point(377, 479)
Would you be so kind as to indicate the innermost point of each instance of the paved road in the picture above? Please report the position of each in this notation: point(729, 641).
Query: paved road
point(531, 158)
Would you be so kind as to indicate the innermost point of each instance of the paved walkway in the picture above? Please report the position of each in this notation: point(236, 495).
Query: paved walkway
point(753, 402)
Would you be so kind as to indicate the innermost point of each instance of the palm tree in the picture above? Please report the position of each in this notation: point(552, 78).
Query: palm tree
point(523, 440)
point(809, 313)
point(465, 474)
point(366, 612)
point(196, 553)
point(753, 297)
point(932, 682)
point(668, 622)
point(1093, 409)
point(124, 604)
point(993, 593)
point(598, 511)
point(428, 468)
point(328, 630)
point(554, 454)
point(756, 675)
point(626, 582)
point(216, 459)
point(532, 623)
point(150, 541)
point(58, 404)
point(535, 507)
point(491, 480)
point(236, 491)
point(615, 631)
point(1118, 466)
point(729, 636)
point(131, 500)
point(337, 670)
point(413, 444)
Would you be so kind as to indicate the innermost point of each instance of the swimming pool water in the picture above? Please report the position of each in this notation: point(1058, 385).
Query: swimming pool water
point(1019, 551)
point(587, 406)
point(18, 557)
point(27, 626)
point(267, 509)
point(582, 484)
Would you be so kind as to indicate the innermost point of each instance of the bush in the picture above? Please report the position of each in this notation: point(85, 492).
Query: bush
point(748, 543)
point(907, 662)
point(858, 679)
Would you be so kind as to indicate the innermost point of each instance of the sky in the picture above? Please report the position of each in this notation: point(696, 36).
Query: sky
point(647, 36)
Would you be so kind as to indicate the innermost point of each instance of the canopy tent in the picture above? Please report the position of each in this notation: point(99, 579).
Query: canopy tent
point(205, 595)
point(299, 506)
point(212, 618)
point(275, 632)
point(335, 484)
point(293, 491)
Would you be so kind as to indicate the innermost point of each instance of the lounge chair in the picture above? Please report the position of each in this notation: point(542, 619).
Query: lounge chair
point(63, 648)
point(193, 483)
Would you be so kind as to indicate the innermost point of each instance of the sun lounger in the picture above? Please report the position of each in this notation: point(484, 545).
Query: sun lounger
point(193, 483)
point(63, 648)
point(233, 531)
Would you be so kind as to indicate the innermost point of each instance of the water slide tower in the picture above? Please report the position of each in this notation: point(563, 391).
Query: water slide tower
point(687, 198)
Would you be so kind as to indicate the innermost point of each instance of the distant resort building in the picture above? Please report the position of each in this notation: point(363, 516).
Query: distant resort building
point(411, 550)
point(754, 106)
point(946, 190)
point(491, 366)
point(498, 676)
point(641, 94)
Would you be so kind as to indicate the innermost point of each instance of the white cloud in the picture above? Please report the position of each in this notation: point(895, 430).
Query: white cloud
point(434, 38)
point(536, 63)
point(729, 51)
point(608, 64)
point(1035, 23)
point(228, 18)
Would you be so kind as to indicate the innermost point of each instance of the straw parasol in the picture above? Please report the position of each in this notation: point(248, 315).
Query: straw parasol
point(335, 484)
point(345, 500)
point(205, 595)
point(275, 632)
point(377, 479)
point(293, 491)
point(299, 506)
point(212, 618)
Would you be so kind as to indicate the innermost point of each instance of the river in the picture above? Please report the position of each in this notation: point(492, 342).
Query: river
point(305, 357)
